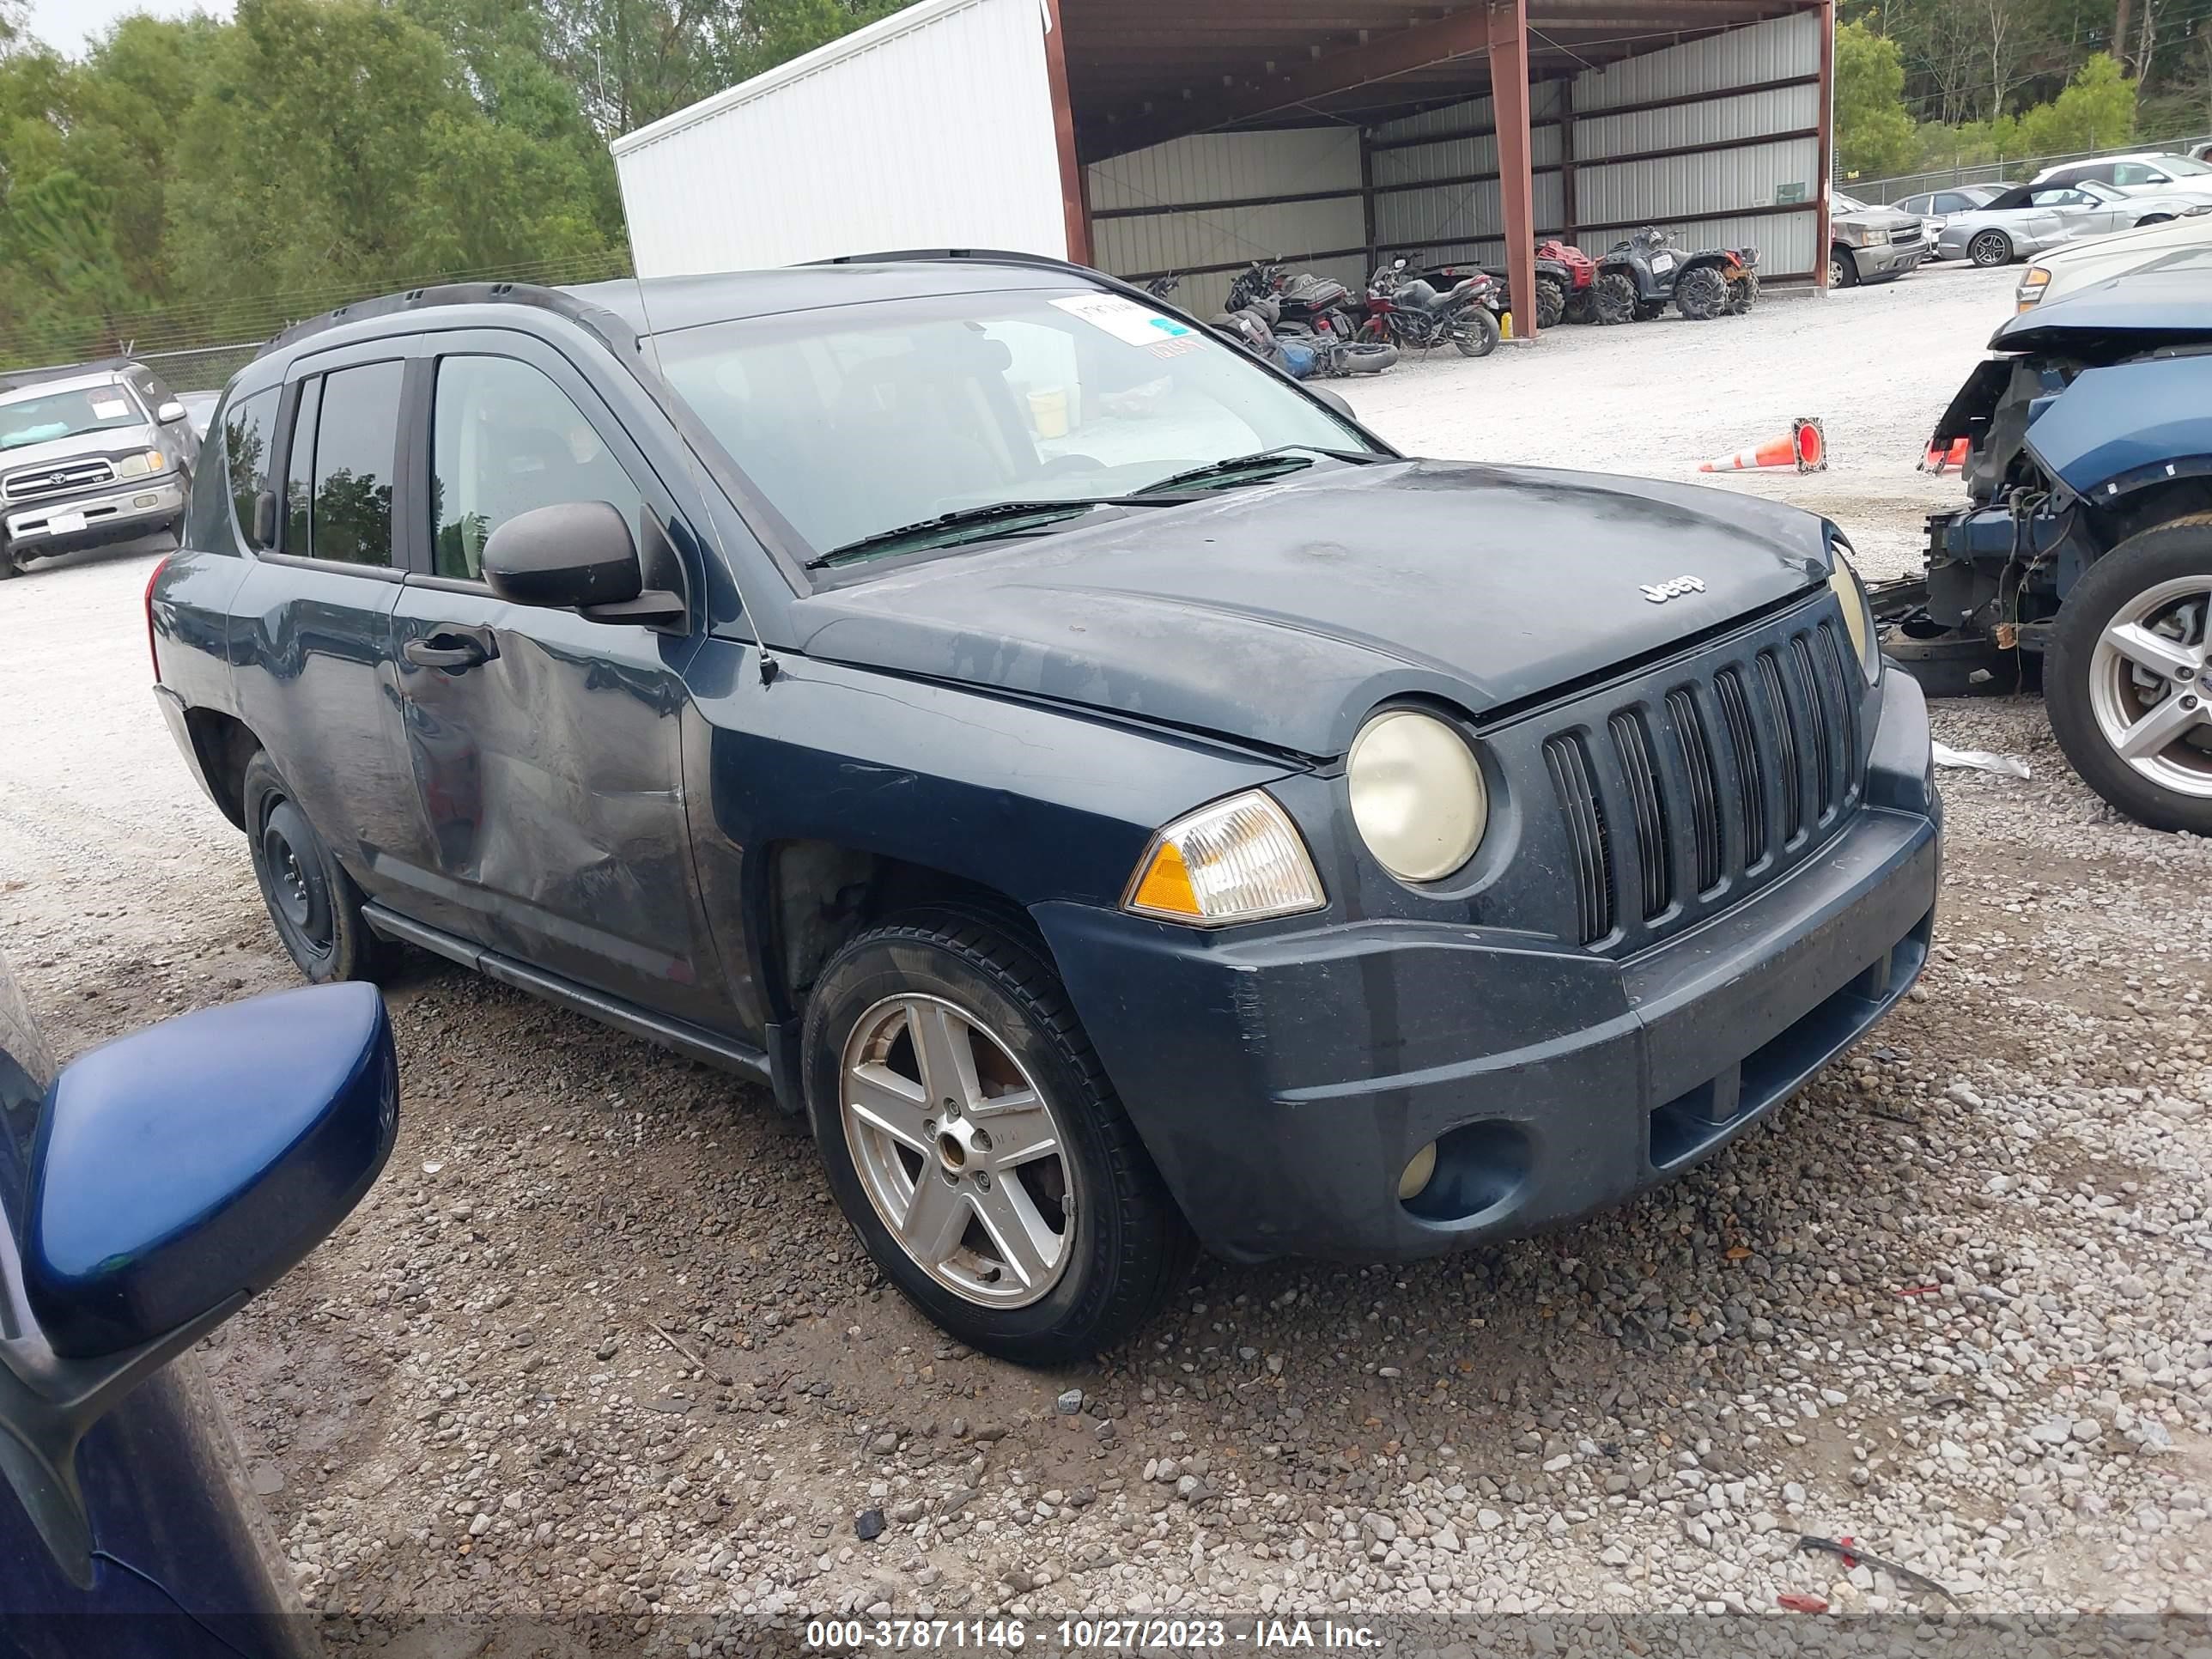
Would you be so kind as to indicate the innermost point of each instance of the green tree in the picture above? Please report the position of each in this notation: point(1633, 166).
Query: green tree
point(1874, 134)
point(2097, 110)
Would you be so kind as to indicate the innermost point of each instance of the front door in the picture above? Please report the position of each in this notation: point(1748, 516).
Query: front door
point(546, 748)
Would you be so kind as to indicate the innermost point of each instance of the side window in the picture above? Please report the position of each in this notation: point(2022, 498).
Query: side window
point(357, 438)
point(247, 426)
point(504, 441)
point(299, 468)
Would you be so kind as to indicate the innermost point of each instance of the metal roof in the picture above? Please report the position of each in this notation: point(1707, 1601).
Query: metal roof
point(1142, 70)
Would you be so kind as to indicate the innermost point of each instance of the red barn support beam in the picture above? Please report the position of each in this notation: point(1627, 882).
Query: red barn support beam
point(1509, 92)
point(1074, 187)
point(1826, 167)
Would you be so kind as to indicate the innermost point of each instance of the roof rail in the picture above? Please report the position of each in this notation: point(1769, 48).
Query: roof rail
point(986, 255)
point(608, 326)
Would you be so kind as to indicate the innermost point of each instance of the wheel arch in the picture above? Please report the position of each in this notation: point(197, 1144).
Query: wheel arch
point(223, 745)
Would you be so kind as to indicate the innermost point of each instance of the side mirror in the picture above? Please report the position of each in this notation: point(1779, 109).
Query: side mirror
point(575, 555)
point(174, 1174)
point(170, 412)
point(1335, 401)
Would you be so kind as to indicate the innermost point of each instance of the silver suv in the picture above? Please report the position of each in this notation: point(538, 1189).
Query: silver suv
point(89, 456)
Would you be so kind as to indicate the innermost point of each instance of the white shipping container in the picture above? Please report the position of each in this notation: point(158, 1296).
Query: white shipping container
point(932, 128)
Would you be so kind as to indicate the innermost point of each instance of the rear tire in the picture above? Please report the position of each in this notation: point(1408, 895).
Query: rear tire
point(312, 903)
point(1098, 1242)
point(1701, 294)
point(1579, 308)
point(1475, 333)
point(1551, 303)
point(1613, 298)
point(1988, 250)
point(9, 568)
point(1743, 292)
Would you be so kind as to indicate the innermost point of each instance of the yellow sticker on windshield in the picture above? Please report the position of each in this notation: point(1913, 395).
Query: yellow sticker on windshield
point(1125, 320)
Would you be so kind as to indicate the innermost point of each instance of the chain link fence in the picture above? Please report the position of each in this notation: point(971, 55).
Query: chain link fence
point(198, 345)
point(2002, 171)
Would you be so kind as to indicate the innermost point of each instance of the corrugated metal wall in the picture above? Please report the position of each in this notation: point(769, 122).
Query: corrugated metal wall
point(1700, 196)
point(1174, 181)
point(931, 129)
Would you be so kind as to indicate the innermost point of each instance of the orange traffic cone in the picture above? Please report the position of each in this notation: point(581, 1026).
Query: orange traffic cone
point(1939, 459)
point(1805, 448)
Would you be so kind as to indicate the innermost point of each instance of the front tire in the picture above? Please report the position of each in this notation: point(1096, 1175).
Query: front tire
point(2125, 681)
point(1551, 303)
point(1701, 294)
point(1613, 298)
point(1843, 268)
point(1474, 332)
point(312, 903)
point(976, 1144)
point(1990, 249)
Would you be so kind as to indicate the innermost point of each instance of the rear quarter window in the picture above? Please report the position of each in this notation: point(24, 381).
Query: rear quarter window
point(246, 432)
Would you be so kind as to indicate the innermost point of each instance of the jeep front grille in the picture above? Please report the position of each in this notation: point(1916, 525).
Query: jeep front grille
point(1685, 793)
point(59, 478)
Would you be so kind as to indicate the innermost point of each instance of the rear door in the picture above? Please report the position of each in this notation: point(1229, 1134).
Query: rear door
point(546, 759)
point(311, 636)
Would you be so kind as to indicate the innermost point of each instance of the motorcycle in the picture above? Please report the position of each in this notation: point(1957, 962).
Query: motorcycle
point(1300, 354)
point(1311, 304)
point(1411, 311)
point(1636, 280)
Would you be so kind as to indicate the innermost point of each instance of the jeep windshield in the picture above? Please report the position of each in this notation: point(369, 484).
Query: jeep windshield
point(65, 415)
point(892, 427)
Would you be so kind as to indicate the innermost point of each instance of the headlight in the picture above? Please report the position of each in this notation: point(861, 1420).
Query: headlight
point(1239, 859)
point(1858, 610)
point(138, 466)
point(2029, 294)
point(1417, 795)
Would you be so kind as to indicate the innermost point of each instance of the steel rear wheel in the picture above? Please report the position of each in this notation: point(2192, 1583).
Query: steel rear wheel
point(975, 1144)
point(1474, 332)
point(313, 902)
point(2126, 684)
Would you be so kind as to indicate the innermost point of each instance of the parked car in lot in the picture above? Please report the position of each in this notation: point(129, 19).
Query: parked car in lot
point(2069, 269)
point(1935, 208)
point(2144, 172)
point(2086, 539)
point(1870, 243)
point(1109, 793)
point(89, 458)
point(146, 1192)
point(2032, 219)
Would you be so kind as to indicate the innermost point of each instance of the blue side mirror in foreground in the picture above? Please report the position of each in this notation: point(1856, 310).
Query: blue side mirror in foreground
point(175, 1173)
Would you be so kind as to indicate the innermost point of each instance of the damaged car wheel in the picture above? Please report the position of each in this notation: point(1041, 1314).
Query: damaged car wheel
point(975, 1144)
point(2126, 684)
point(1990, 249)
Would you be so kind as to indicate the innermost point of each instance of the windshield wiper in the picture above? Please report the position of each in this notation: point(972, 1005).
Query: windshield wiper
point(1284, 458)
point(991, 513)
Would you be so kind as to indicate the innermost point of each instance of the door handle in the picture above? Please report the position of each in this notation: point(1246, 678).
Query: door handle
point(453, 647)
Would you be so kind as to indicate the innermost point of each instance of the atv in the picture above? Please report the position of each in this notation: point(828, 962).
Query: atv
point(2083, 553)
point(1639, 276)
point(1565, 279)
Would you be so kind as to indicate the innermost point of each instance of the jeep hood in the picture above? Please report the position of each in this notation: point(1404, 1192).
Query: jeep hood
point(1281, 614)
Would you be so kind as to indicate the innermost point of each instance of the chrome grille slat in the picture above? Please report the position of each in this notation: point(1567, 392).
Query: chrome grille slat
point(33, 482)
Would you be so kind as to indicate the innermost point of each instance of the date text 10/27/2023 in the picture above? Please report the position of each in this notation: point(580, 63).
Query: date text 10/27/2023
point(1075, 1636)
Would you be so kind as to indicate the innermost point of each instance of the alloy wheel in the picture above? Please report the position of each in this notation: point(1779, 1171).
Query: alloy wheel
point(2147, 685)
point(959, 1151)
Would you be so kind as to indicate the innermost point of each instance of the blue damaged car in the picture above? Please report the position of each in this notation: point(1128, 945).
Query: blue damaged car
point(2085, 549)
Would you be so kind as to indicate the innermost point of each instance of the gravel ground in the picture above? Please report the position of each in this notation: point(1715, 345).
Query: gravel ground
point(598, 1340)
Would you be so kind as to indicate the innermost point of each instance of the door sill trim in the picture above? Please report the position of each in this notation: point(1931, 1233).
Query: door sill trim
point(694, 1042)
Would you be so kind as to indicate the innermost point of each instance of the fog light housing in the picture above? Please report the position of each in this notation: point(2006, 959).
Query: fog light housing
point(1415, 1179)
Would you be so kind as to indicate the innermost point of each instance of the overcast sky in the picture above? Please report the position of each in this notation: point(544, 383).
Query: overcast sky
point(66, 24)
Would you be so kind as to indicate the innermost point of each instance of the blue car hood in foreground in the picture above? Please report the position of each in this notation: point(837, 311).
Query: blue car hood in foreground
point(1280, 614)
point(2166, 300)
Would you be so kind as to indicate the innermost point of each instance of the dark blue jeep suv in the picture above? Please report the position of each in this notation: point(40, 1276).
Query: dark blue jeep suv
point(1118, 800)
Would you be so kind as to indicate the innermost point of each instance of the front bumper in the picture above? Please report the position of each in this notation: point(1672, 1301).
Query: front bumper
point(1877, 263)
point(1282, 1083)
point(115, 514)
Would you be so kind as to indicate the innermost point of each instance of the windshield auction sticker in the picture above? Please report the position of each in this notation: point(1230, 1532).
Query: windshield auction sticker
point(1125, 320)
